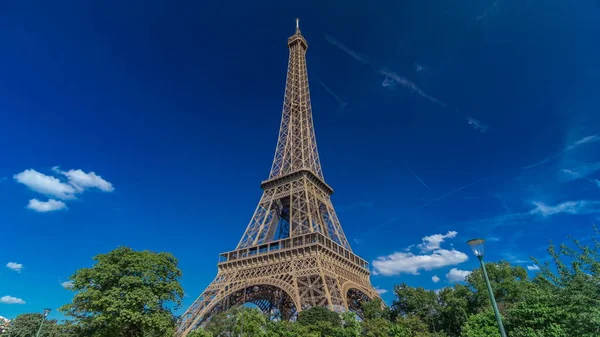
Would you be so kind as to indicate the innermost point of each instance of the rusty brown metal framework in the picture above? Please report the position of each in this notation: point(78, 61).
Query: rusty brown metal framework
point(294, 254)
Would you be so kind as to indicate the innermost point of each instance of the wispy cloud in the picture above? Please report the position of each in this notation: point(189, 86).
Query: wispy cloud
point(507, 218)
point(418, 178)
point(391, 79)
point(569, 207)
point(435, 279)
point(433, 242)
point(11, 300)
point(333, 94)
point(390, 76)
point(380, 291)
point(581, 171)
point(431, 257)
point(46, 206)
point(574, 145)
point(406, 83)
point(488, 11)
point(15, 266)
point(540, 210)
point(348, 51)
point(457, 275)
point(533, 267)
point(477, 124)
point(67, 284)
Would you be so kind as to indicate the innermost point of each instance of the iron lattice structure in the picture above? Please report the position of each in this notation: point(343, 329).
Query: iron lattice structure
point(294, 254)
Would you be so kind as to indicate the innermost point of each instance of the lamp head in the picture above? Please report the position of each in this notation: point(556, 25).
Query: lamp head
point(46, 312)
point(477, 246)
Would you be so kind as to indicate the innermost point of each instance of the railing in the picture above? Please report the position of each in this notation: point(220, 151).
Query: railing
point(292, 243)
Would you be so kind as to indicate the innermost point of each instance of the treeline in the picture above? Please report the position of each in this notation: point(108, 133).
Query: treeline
point(128, 294)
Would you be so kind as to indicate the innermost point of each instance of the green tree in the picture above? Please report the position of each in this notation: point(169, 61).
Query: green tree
point(27, 325)
point(412, 326)
point(482, 324)
point(374, 309)
point(417, 302)
point(376, 327)
point(350, 325)
point(126, 294)
point(239, 321)
point(199, 333)
point(507, 282)
point(314, 315)
point(538, 314)
point(575, 275)
point(250, 322)
point(289, 329)
point(455, 308)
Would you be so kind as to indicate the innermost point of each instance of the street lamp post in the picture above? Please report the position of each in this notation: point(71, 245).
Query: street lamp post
point(44, 315)
point(477, 247)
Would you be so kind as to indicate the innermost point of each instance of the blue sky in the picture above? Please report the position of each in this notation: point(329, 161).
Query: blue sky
point(461, 120)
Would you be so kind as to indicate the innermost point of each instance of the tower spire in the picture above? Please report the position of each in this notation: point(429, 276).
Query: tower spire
point(297, 25)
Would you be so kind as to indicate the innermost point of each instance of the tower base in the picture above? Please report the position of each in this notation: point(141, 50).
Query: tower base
point(283, 278)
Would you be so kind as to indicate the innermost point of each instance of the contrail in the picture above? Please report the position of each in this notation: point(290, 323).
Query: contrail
point(342, 103)
point(487, 11)
point(392, 77)
point(385, 72)
point(418, 178)
point(348, 51)
point(403, 81)
point(582, 141)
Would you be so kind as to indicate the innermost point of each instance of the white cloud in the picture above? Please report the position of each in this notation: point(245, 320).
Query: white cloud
point(77, 182)
point(457, 275)
point(67, 284)
point(14, 266)
point(44, 184)
point(11, 300)
point(533, 267)
point(46, 206)
point(433, 242)
point(398, 263)
point(82, 181)
point(435, 279)
point(569, 207)
point(380, 291)
point(431, 257)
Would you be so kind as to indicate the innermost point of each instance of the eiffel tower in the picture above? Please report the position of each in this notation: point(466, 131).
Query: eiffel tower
point(294, 254)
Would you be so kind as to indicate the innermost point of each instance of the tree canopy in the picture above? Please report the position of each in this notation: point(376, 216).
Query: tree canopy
point(126, 293)
point(131, 294)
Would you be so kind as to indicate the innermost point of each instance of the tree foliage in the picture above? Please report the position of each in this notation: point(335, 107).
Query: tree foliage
point(126, 294)
point(27, 325)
